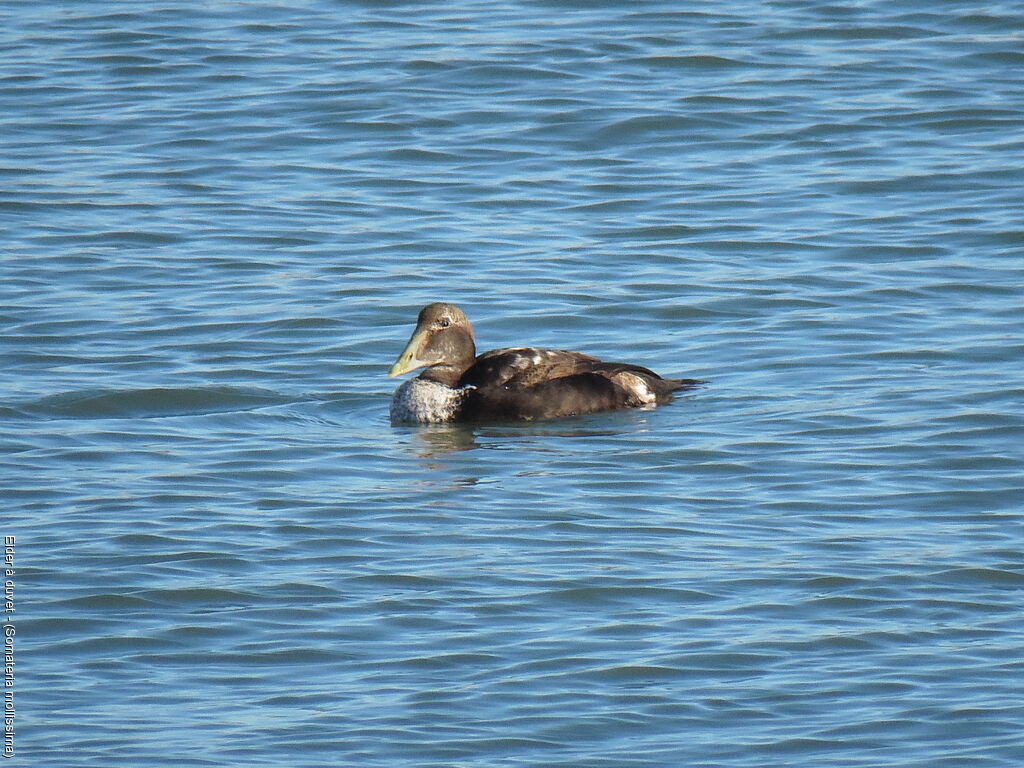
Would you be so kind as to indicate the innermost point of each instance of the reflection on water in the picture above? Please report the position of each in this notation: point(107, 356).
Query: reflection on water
point(438, 439)
point(431, 440)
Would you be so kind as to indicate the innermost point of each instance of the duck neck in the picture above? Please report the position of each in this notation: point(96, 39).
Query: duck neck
point(448, 375)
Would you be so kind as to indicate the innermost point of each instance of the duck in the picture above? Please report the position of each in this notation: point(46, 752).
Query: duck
point(512, 383)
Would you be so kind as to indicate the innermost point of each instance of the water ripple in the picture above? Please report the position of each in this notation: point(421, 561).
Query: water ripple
point(219, 225)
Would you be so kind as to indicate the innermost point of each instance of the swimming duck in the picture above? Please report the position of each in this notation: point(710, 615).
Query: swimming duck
point(511, 384)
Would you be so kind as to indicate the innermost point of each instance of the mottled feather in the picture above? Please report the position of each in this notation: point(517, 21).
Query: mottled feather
point(521, 367)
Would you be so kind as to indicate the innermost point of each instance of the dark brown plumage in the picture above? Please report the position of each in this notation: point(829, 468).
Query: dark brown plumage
point(520, 383)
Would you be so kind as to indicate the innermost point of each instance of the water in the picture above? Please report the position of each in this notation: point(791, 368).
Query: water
point(220, 220)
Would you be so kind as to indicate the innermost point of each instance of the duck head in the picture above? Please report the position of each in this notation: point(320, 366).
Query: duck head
point(442, 343)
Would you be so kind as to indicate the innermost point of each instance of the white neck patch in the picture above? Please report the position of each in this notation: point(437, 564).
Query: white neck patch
point(420, 401)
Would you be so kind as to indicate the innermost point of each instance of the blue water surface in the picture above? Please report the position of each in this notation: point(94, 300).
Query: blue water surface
point(220, 219)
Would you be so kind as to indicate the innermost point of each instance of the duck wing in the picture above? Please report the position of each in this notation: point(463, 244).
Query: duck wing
point(523, 367)
point(527, 383)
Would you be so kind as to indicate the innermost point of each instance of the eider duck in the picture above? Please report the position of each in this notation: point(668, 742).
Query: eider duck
point(512, 384)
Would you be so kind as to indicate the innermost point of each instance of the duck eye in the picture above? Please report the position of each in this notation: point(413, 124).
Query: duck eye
point(444, 322)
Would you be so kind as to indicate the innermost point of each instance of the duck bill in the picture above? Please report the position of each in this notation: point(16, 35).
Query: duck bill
point(408, 360)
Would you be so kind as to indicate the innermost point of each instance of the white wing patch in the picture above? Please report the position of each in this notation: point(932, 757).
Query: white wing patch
point(637, 387)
